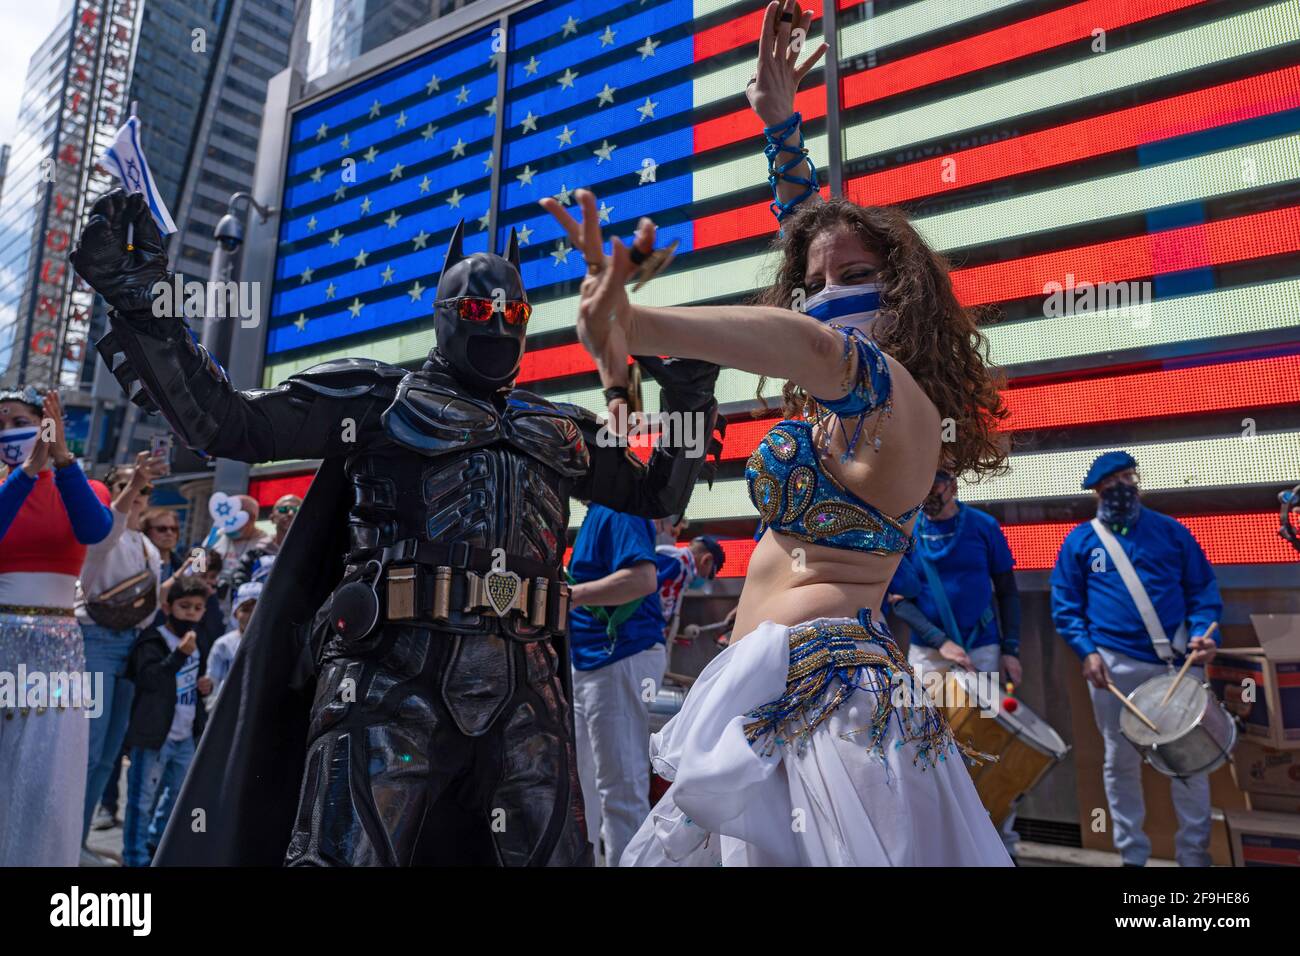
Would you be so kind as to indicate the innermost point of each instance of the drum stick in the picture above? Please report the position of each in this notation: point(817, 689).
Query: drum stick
point(1131, 706)
point(1183, 670)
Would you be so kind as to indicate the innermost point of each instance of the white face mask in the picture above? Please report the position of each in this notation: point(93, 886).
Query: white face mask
point(16, 444)
point(853, 306)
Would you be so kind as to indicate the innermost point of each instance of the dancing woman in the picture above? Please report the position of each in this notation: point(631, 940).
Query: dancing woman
point(807, 742)
point(49, 513)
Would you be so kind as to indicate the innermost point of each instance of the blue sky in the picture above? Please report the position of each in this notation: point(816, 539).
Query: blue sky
point(22, 28)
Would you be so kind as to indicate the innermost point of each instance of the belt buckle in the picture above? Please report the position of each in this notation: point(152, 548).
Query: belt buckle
point(496, 592)
point(502, 590)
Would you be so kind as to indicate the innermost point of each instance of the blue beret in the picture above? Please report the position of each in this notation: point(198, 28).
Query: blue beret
point(1108, 464)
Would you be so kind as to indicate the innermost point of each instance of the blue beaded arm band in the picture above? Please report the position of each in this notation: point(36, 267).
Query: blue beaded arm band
point(776, 171)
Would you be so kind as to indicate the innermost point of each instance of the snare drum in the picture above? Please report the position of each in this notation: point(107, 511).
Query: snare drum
point(1025, 745)
point(1195, 733)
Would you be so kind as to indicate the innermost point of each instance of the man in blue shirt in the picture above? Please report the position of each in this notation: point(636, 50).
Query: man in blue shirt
point(616, 633)
point(960, 567)
point(1098, 617)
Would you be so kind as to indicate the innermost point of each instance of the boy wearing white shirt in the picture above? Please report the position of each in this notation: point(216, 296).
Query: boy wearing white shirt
point(223, 651)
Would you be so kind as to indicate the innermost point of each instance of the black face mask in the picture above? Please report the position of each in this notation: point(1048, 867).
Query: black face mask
point(483, 355)
point(1119, 504)
point(179, 627)
point(935, 502)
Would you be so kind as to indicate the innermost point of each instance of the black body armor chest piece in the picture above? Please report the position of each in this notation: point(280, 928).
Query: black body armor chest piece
point(454, 467)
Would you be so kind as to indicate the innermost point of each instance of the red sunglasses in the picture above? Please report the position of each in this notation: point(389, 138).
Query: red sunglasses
point(475, 309)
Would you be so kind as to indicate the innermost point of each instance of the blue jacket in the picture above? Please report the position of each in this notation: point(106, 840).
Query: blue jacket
point(1092, 608)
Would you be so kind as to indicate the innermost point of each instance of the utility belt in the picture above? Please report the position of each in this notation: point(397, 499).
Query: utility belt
point(430, 581)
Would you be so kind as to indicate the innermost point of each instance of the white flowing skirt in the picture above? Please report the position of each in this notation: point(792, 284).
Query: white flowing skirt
point(835, 800)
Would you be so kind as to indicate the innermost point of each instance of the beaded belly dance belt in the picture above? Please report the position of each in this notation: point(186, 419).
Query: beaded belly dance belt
point(826, 667)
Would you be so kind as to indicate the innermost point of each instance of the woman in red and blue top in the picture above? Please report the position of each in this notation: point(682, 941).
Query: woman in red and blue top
point(49, 513)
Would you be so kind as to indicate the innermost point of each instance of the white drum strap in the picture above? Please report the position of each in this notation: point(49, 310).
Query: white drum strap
point(1155, 630)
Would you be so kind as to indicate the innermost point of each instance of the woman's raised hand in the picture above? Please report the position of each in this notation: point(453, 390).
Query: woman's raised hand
point(53, 410)
point(777, 77)
point(603, 307)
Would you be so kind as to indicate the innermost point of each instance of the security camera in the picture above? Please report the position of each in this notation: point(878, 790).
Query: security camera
point(229, 232)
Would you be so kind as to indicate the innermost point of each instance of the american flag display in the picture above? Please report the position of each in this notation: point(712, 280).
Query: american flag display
point(1117, 180)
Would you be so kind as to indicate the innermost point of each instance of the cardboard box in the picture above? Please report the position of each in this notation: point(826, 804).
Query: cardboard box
point(1271, 803)
point(1260, 770)
point(1263, 839)
point(1261, 685)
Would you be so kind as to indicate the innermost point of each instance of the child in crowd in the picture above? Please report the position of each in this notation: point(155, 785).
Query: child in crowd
point(166, 720)
point(223, 652)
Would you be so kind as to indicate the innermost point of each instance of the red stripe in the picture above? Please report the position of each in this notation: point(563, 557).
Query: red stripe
point(1226, 539)
point(1125, 129)
point(555, 362)
point(1137, 396)
point(269, 490)
point(1138, 257)
point(1002, 45)
point(742, 124)
point(1270, 856)
point(1258, 383)
point(1173, 250)
point(741, 31)
point(1085, 139)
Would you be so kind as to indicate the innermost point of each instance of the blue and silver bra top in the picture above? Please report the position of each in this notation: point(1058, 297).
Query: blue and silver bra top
point(795, 495)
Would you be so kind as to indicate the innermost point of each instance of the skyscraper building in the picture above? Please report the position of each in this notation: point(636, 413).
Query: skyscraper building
point(75, 98)
point(4, 167)
point(252, 46)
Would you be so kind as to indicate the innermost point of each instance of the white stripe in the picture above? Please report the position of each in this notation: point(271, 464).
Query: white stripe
point(1223, 312)
point(1228, 171)
point(1091, 76)
point(910, 21)
point(1208, 464)
point(1238, 169)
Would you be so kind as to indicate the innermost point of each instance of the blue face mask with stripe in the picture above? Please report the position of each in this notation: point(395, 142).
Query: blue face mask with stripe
point(852, 306)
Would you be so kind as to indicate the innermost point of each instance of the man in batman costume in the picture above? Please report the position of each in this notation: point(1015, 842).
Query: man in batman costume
point(402, 693)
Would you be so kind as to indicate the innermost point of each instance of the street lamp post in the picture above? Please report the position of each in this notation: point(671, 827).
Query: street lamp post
point(229, 476)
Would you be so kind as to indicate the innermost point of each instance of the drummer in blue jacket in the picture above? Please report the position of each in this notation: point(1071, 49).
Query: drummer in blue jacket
point(958, 595)
point(1103, 622)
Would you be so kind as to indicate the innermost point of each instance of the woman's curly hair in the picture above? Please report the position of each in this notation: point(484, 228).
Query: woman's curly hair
point(921, 325)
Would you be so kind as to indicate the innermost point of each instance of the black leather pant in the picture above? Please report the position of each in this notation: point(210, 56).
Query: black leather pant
point(431, 748)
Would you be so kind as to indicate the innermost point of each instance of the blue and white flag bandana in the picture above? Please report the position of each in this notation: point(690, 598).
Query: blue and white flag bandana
point(852, 306)
point(126, 159)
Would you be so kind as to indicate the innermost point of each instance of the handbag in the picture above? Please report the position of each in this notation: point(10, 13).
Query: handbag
point(129, 602)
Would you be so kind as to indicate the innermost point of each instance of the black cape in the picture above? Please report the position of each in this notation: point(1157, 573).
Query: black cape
point(239, 799)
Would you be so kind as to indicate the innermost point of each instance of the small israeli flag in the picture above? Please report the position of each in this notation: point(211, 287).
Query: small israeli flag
point(126, 159)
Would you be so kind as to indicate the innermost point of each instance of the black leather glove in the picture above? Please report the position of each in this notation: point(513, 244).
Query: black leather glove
point(125, 279)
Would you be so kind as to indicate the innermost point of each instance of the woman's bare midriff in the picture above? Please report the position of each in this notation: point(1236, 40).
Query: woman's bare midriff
point(790, 581)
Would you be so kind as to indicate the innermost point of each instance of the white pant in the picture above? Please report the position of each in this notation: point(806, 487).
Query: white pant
point(1122, 773)
point(987, 659)
point(611, 718)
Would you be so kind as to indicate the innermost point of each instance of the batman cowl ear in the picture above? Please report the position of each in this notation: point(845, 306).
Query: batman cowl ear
point(512, 250)
point(455, 249)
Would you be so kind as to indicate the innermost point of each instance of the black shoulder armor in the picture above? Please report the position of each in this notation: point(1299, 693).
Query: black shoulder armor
point(348, 378)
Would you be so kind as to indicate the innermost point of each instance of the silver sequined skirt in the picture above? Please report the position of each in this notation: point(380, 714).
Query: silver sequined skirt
point(47, 644)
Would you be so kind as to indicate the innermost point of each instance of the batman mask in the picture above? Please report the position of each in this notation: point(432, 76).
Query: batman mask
point(481, 314)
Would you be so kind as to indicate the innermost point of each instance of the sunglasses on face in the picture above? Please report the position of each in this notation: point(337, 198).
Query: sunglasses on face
point(165, 529)
point(286, 509)
point(475, 309)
